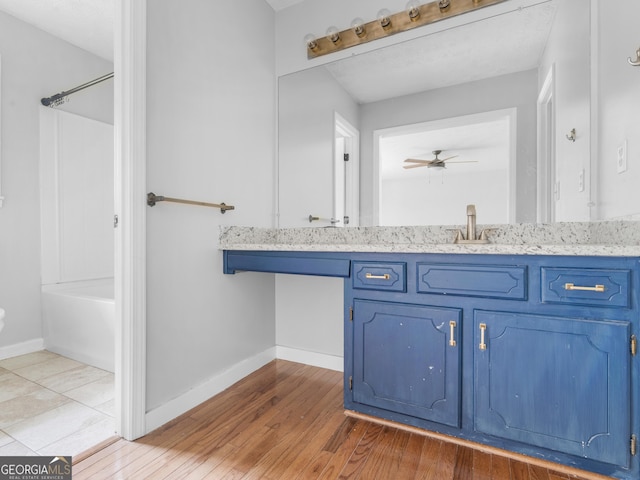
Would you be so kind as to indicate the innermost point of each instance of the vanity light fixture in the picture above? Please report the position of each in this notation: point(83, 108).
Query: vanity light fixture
point(387, 23)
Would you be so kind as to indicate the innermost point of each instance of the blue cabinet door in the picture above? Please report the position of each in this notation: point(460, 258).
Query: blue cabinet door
point(558, 383)
point(406, 359)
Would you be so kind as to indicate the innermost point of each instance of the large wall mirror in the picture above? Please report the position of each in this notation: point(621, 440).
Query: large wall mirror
point(497, 99)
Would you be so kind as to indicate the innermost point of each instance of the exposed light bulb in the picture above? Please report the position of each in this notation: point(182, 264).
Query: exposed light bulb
point(333, 34)
point(384, 17)
point(413, 10)
point(357, 25)
point(310, 41)
point(444, 4)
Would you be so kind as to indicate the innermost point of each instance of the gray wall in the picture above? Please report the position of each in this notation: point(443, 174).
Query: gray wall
point(618, 97)
point(569, 59)
point(307, 102)
point(211, 137)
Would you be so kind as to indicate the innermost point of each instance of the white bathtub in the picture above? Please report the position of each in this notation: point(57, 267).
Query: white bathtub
point(79, 321)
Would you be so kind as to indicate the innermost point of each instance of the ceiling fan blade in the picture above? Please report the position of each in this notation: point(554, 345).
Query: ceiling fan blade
point(415, 160)
point(435, 163)
point(417, 165)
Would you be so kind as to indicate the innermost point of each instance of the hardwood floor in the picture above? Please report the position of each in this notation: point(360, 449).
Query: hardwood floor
point(286, 421)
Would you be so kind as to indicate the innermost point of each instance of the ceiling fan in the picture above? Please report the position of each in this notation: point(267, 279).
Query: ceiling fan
point(435, 163)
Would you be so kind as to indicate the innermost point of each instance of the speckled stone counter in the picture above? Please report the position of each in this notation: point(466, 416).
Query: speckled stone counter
point(617, 238)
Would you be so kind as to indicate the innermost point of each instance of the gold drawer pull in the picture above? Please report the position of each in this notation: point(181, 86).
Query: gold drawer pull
point(452, 333)
point(371, 276)
point(571, 286)
point(483, 328)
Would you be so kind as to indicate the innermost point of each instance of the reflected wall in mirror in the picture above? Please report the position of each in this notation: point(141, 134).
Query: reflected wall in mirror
point(312, 108)
point(516, 91)
point(420, 186)
point(499, 63)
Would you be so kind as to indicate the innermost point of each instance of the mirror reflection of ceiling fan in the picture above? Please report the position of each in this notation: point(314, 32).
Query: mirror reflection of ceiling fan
point(435, 163)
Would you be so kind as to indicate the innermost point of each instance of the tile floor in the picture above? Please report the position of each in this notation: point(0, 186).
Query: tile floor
point(52, 405)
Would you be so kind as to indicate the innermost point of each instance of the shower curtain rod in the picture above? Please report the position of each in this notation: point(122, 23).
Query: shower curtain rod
point(58, 98)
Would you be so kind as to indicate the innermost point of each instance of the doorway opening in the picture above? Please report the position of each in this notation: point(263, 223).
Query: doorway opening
point(428, 172)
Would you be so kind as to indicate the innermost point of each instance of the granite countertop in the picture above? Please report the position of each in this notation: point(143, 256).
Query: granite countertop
point(616, 238)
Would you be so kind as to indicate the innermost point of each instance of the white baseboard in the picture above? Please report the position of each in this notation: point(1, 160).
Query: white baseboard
point(23, 348)
point(176, 407)
point(194, 397)
point(322, 360)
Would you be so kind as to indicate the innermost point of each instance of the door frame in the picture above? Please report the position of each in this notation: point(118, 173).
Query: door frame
point(547, 191)
point(130, 205)
point(351, 136)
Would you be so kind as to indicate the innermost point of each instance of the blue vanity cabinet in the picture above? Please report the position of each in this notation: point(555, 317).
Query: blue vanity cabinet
point(533, 354)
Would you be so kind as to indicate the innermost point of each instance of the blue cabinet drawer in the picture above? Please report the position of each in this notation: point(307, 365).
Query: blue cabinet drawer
point(491, 281)
point(586, 286)
point(389, 277)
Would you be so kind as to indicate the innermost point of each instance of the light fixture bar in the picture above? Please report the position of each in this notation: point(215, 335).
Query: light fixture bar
point(429, 13)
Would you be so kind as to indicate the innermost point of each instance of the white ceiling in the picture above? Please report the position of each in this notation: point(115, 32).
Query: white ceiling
point(87, 24)
point(280, 4)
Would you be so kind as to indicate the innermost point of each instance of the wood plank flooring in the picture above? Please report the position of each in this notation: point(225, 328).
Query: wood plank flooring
point(286, 421)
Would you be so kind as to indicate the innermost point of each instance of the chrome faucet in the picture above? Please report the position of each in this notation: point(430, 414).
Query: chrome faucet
point(470, 236)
